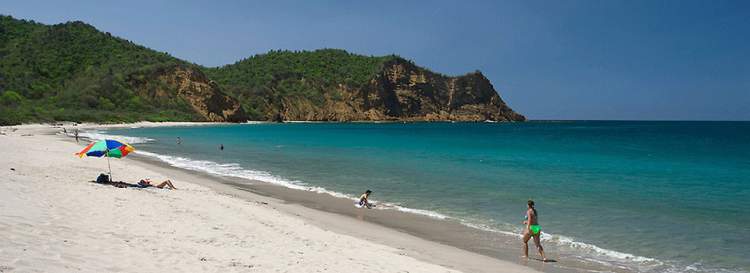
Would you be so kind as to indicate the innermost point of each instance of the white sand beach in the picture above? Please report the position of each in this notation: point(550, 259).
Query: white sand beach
point(53, 219)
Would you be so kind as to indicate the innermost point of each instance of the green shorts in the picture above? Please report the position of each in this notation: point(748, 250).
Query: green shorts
point(535, 229)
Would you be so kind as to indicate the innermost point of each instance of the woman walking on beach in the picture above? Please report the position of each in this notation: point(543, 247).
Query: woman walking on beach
point(532, 230)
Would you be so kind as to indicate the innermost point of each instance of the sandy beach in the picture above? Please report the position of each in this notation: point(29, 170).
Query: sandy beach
point(53, 219)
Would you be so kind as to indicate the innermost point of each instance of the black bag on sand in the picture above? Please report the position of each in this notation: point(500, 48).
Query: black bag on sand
point(103, 178)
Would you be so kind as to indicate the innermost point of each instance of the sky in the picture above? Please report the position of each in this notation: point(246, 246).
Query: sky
point(591, 60)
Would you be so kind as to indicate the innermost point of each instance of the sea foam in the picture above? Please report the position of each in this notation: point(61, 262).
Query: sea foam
point(605, 256)
point(235, 170)
point(589, 252)
point(98, 135)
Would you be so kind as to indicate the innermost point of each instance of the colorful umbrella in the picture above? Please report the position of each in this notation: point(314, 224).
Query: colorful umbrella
point(108, 148)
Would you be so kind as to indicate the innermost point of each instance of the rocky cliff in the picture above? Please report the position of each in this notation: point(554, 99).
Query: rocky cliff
point(72, 71)
point(402, 91)
point(181, 82)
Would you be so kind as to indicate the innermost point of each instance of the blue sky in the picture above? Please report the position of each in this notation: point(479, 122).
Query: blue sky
point(652, 60)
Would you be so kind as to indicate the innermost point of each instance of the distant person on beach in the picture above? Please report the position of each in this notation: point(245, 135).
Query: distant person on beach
point(76, 134)
point(363, 202)
point(221, 147)
point(145, 183)
point(532, 230)
point(179, 141)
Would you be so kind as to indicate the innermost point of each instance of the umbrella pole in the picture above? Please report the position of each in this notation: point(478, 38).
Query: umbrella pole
point(110, 167)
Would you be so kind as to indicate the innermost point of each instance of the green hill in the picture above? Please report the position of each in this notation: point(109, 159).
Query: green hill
point(74, 72)
point(263, 81)
point(334, 85)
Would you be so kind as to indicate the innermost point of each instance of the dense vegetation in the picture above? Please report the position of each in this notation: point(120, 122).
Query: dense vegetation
point(262, 80)
point(72, 71)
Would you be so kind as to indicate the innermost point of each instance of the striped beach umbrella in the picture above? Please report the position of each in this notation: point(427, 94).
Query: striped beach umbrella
point(107, 148)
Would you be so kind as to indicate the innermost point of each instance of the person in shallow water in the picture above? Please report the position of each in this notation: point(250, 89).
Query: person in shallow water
point(363, 202)
point(532, 230)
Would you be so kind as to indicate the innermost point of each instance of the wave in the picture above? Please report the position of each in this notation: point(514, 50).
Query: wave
point(427, 213)
point(235, 170)
point(583, 251)
point(610, 258)
point(98, 135)
point(603, 256)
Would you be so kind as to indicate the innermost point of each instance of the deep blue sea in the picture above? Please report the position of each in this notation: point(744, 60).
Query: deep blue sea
point(651, 196)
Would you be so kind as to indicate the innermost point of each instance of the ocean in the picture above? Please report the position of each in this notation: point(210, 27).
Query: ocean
point(644, 196)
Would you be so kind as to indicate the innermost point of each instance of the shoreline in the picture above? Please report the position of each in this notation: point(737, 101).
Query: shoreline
point(359, 223)
point(328, 211)
point(399, 229)
point(494, 244)
point(362, 229)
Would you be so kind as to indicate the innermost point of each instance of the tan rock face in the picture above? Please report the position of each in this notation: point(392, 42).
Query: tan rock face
point(403, 91)
point(192, 86)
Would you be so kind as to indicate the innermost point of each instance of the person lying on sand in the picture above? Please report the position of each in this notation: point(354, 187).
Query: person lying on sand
point(145, 183)
point(363, 202)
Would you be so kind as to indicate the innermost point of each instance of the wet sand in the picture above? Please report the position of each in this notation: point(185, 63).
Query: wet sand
point(53, 219)
point(439, 232)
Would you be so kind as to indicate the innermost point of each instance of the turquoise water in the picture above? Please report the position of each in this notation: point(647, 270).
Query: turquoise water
point(650, 196)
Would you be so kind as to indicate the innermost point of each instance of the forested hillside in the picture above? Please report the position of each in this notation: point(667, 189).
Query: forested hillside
point(74, 72)
point(334, 85)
